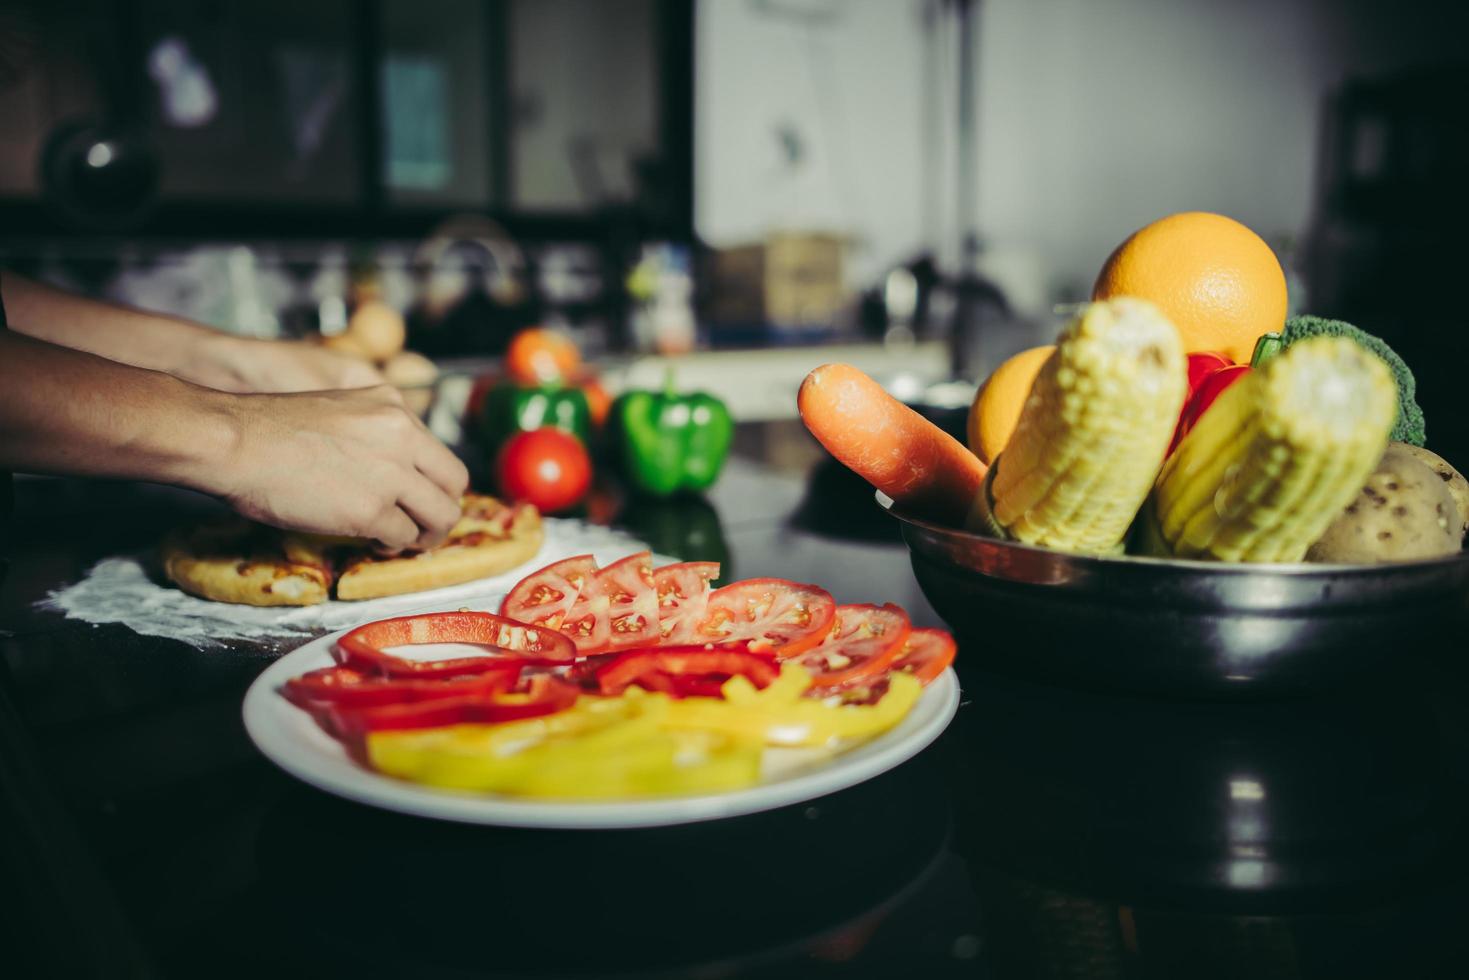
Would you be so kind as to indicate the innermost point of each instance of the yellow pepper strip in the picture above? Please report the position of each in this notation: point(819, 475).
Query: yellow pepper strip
point(792, 721)
point(601, 748)
point(638, 744)
point(786, 688)
point(487, 757)
point(652, 767)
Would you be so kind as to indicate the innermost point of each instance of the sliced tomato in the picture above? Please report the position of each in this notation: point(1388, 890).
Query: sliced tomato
point(683, 595)
point(516, 643)
point(546, 597)
point(676, 663)
point(925, 655)
point(765, 614)
point(632, 602)
point(617, 608)
point(351, 688)
point(864, 640)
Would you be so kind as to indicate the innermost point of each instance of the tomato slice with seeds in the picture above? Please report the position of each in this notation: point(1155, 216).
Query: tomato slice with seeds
point(546, 597)
point(864, 640)
point(925, 655)
point(768, 614)
point(683, 596)
point(632, 602)
point(615, 607)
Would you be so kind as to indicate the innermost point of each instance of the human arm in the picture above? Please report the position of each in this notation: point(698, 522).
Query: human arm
point(176, 346)
point(351, 462)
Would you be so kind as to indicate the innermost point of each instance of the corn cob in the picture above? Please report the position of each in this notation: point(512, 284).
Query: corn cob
point(1092, 434)
point(1278, 456)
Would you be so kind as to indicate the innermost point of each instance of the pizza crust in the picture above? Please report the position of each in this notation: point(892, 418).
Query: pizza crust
point(226, 562)
point(236, 561)
point(462, 558)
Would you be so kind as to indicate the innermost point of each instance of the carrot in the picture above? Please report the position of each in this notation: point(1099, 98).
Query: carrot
point(925, 470)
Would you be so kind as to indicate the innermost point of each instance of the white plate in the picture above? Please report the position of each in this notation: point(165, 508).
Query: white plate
point(291, 740)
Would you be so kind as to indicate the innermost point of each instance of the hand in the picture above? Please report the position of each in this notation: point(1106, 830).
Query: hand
point(246, 365)
point(349, 462)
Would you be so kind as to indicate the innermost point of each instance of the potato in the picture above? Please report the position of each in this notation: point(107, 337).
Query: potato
point(1451, 477)
point(1404, 512)
point(378, 329)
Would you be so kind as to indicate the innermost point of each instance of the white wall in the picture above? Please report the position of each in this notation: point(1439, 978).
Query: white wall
point(851, 90)
point(1095, 117)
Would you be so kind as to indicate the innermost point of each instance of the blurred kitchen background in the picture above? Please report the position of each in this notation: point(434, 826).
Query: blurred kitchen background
point(747, 188)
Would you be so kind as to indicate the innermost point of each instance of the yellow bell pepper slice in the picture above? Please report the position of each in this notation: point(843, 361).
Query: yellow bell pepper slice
point(602, 748)
point(638, 744)
point(785, 721)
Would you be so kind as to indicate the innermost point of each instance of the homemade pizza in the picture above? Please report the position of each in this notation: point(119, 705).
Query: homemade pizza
point(234, 560)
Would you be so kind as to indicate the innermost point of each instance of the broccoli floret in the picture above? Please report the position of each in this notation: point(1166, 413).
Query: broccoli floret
point(1409, 426)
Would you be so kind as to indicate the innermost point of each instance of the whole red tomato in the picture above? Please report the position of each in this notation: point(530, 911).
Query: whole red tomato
point(545, 467)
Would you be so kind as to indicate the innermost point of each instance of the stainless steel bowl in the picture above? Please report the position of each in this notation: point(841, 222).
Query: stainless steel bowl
point(1184, 628)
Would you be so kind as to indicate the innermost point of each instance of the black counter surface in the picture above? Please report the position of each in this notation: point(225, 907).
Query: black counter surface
point(1046, 834)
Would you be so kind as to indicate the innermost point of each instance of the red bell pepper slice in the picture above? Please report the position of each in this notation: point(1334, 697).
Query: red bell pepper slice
point(690, 663)
point(547, 696)
point(521, 645)
point(350, 688)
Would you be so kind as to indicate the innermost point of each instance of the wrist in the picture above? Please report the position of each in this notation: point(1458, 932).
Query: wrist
point(210, 446)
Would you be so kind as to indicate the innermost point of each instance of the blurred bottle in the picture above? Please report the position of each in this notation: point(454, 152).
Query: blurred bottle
point(662, 289)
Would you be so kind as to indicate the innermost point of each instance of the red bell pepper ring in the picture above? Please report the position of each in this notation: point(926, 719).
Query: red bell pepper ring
point(349, 688)
point(709, 686)
point(694, 662)
point(547, 695)
point(519, 644)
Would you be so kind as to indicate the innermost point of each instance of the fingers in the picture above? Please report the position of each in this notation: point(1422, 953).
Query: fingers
point(394, 531)
point(439, 464)
point(433, 511)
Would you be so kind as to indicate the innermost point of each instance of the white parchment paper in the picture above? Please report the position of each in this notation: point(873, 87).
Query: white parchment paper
point(129, 589)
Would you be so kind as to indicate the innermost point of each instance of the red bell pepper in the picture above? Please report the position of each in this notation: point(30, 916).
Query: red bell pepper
point(686, 669)
point(547, 695)
point(1200, 366)
point(1209, 375)
point(522, 645)
point(350, 688)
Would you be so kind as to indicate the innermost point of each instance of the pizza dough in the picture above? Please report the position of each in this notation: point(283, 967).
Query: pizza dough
point(237, 561)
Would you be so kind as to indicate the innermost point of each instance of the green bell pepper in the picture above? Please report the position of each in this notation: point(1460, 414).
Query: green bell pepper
point(512, 408)
point(670, 442)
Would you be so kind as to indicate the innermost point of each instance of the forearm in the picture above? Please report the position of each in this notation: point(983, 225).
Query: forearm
point(118, 333)
point(70, 412)
point(184, 349)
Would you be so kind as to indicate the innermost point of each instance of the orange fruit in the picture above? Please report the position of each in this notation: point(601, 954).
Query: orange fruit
point(1217, 280)
point(997, 405)
point(538, 355)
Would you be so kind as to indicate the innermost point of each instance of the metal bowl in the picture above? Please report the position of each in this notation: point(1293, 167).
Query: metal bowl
point(1184, 628)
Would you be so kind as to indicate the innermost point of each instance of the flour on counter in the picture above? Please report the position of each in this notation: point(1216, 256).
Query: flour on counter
point(122, 590)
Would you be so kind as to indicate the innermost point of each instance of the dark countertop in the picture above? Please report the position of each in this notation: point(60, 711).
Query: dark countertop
point(1046, 833)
